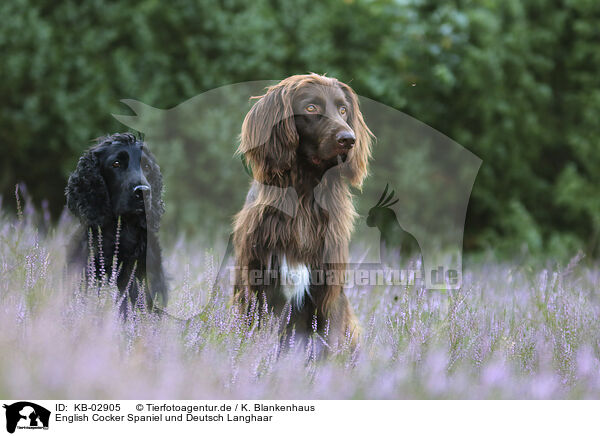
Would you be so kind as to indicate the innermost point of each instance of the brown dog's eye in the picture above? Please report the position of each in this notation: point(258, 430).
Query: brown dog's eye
point(311, 108)
point(116, 164)
point(343, 110)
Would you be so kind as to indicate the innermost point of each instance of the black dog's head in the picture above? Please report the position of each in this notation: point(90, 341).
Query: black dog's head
point(117, 177)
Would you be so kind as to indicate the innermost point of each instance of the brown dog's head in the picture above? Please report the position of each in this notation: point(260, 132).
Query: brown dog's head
point(311, 120)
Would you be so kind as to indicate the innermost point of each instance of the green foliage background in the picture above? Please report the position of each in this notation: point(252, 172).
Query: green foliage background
point(515, 82)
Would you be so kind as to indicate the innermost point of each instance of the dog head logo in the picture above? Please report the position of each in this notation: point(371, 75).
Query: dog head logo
point(26, 415)
point(431, 175)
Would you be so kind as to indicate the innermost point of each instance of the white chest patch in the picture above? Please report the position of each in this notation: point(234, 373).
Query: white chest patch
point(295, 282)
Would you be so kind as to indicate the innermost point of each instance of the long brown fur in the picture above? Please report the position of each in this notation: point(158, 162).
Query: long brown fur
point(291, 212)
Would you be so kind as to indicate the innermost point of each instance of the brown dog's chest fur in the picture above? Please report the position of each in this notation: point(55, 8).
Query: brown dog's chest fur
point(315, 233)
point(321, 232)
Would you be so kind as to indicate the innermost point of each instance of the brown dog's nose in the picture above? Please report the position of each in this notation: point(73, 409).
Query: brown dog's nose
point(346, 139)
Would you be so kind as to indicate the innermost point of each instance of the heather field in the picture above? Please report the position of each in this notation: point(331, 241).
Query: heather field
point(515, 330)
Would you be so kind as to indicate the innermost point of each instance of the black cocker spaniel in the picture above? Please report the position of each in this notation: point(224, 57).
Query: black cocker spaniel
point(116, 192)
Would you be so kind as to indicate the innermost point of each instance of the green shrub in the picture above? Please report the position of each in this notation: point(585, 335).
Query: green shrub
point(514, 82)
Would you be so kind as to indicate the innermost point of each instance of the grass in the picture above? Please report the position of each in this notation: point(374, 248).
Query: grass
point(513, 331)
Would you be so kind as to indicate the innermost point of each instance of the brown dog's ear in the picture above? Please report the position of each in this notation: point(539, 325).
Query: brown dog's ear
point(269, 138)
point(360, 154)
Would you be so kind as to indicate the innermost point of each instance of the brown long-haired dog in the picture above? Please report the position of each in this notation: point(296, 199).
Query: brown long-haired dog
point(305, 141)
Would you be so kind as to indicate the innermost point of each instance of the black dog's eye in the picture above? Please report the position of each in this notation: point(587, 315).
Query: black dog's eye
point(116, 164)
point(311, 108)
point(343, 110)
point(147, 166)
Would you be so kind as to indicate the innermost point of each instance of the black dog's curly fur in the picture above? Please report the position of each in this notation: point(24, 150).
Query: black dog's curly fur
point(118, 179)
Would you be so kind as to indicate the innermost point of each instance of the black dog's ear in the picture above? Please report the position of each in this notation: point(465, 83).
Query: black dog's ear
point(157, 209)
point(269, 138)
point(86, 191)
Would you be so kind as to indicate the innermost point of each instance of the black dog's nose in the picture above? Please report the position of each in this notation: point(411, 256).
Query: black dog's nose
point(346, 139)
point(139, 191)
